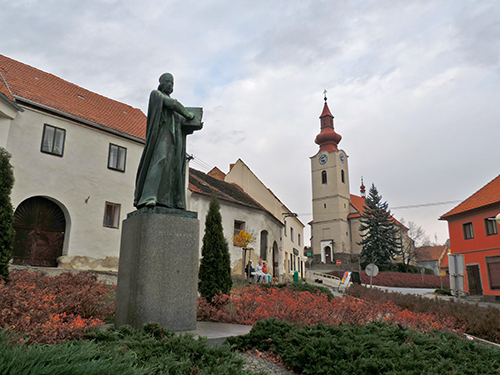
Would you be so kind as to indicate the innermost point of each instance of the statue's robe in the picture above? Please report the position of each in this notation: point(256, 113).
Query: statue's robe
point(161, 174)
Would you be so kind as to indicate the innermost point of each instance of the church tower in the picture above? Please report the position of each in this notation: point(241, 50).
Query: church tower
point(330, 229)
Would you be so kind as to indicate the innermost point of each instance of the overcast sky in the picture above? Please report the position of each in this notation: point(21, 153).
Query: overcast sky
point(414, 85)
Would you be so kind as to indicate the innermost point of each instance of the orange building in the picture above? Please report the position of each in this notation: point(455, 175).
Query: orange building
point(473, 229)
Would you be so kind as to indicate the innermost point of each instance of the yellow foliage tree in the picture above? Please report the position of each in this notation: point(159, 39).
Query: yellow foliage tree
point(242, 239)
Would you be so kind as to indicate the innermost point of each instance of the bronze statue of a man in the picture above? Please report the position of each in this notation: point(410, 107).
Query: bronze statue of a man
point(161, 174)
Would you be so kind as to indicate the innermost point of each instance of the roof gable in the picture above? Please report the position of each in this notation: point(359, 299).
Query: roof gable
point(25, 83)
point(487, 195)
point(202, 183)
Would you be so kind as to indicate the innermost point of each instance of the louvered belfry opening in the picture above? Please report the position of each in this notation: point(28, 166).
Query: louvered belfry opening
point(39, 224)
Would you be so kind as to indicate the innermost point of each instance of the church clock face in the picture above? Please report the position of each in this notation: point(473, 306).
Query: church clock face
point(342, 158)
point(323, 159)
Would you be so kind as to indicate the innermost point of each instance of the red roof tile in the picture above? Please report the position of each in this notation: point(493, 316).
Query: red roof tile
point(358, 203)
point(430, 253)
point(33, 85)
point(488, 194)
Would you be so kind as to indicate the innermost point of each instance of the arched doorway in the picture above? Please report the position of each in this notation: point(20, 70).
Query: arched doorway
point(276, 258)
point(39, 224)
point(263, 245)
point(328, 254)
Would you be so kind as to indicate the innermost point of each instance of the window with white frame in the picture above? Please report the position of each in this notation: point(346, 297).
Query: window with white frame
point(117, 157)
point(112, 215)
point(53, 140)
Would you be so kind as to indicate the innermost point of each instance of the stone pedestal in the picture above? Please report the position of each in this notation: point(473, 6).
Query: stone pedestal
point(158, 269)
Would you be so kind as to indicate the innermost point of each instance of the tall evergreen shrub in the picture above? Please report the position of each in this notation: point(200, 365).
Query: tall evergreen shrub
point(380, 240)
point(6, 213)
point(215, 267)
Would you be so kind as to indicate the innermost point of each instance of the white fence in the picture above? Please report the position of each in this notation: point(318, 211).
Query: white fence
point(329, 280)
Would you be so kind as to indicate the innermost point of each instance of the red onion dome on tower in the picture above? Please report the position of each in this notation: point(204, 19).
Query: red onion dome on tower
point(327, 139)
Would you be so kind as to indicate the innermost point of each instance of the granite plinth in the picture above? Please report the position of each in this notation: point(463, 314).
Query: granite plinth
point(158, 271)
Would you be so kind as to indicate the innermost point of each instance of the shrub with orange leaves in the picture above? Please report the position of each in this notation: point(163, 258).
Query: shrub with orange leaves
point(254, 303)
point(50, 309)
point(243, 239)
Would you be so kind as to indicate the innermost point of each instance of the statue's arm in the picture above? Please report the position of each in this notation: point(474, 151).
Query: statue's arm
point(174, 104)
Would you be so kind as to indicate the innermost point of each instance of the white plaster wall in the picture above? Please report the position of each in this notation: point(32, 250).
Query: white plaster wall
point(244, 177)
point(7, 113)
point(69, 180)
point(255, 222)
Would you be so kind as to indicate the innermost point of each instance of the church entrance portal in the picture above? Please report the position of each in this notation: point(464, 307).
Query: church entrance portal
point(328, 255)
point(39, 224)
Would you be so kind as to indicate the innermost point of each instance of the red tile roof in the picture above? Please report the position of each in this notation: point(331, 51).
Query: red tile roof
point(26, 83)
point(217, 173)
point(358, 203)
point(487, 195)
point(430, 253)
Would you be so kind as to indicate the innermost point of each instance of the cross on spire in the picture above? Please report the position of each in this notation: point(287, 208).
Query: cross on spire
point(324, 93)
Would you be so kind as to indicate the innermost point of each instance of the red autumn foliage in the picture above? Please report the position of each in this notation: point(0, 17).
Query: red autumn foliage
point(483, 322)
point(254, 303)
point(403, 280)
point(50, 309)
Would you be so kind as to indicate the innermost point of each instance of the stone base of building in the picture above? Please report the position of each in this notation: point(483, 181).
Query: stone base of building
point(158, 270)
point(83, 263)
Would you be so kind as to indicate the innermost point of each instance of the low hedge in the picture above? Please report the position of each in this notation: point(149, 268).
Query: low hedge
point(376, 348)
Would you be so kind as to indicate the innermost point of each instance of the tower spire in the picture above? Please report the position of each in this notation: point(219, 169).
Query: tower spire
point(327, 139)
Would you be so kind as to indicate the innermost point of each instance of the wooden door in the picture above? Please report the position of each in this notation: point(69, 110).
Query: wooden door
point(39, 224)
point(474, 280)
point(276, 257)
point(328, 255)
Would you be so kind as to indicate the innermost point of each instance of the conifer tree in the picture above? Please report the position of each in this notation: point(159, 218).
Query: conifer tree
point(6, 213)
point(215, 266)
point(380, 240)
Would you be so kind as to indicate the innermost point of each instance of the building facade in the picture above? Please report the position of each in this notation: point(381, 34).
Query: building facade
point(473, 227)
point(288, 257)
point(75, 155)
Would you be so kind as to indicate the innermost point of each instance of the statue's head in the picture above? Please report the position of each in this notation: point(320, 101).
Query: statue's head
point(166, 83)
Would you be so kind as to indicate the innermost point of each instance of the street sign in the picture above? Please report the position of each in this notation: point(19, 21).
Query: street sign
point(339, 262)
point(371, 270)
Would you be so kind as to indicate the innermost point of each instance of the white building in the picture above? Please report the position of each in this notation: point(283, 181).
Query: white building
point(75, 155)
point(291, 252)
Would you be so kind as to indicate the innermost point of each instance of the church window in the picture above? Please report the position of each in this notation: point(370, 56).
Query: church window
point(112, 215)
point(323, 177)
point(324, 205)
point(53, 140)
point(116, 157)
point(342, 176)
